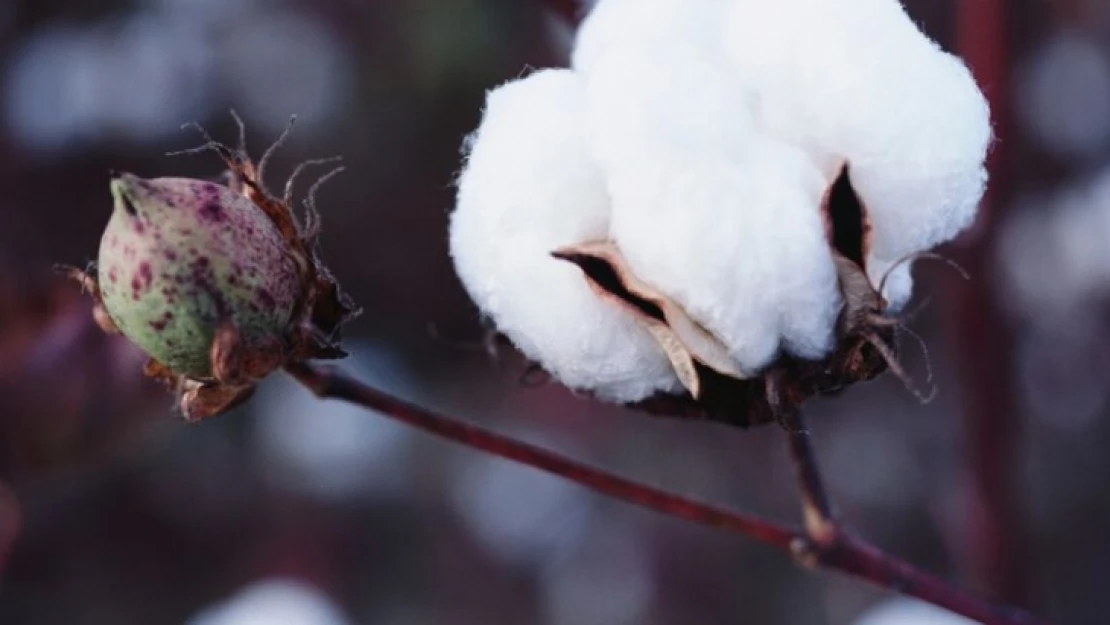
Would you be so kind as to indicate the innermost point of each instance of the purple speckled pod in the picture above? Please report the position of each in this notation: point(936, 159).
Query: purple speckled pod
point(179, 256)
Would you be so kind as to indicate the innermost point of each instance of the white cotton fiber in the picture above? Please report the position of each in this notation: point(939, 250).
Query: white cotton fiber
point(738, 243)
point(857, 80)
point(721, 218)
point(529, 187)
point(655, 70)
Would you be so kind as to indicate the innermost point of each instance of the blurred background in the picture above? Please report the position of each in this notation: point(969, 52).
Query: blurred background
point(292, 511)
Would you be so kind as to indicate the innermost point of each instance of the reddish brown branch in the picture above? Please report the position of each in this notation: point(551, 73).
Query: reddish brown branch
point(829, 546)
point(832, 549)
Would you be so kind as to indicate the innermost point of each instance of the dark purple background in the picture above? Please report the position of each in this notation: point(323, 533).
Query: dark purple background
point(112, 511)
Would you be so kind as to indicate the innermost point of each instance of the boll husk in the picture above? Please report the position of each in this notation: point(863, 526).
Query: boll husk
point(742, 179)
point(219, 284)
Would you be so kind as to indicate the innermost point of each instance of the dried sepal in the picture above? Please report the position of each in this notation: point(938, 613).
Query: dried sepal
point(686, 343)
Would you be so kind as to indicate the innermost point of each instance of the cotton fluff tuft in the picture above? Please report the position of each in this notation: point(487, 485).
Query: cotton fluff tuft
point(858, 80)
point(529, 186)
point(706, 208)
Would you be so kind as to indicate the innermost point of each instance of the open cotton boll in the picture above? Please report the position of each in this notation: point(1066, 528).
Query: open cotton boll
point(857, 80)
point(529, 187)
point(738, 243)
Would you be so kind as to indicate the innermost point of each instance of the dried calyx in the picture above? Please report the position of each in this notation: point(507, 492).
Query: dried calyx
point(219, 283)
point(716, 388)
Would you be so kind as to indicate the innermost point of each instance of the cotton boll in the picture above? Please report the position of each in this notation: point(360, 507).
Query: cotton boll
point(857, 80)
point(529, 187)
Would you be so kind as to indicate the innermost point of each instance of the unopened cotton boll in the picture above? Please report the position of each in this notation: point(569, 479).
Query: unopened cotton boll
point(858, 81)
point(529, 187)
point(721, 218)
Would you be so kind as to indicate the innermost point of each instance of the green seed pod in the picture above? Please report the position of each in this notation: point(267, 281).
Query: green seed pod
point(180, 256)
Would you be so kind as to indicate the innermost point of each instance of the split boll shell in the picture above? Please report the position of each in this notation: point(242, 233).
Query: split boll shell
point(179, 256)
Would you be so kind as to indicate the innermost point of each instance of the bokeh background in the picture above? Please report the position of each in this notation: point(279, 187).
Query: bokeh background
point(292, 511)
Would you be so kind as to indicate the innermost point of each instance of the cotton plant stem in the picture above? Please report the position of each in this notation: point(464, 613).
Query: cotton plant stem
point(833, 550)
point(816, 509)
point(330, 382)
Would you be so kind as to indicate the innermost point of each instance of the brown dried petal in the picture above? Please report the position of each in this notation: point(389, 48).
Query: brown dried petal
point(683, 339)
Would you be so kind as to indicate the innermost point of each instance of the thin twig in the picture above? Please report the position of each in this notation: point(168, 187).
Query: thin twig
point(817, 511)
point(328, 381)
point(836, 550)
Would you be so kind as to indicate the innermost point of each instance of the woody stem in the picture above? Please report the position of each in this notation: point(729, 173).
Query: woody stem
point(833, 550)
point(816, 508)
point(330, 382)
